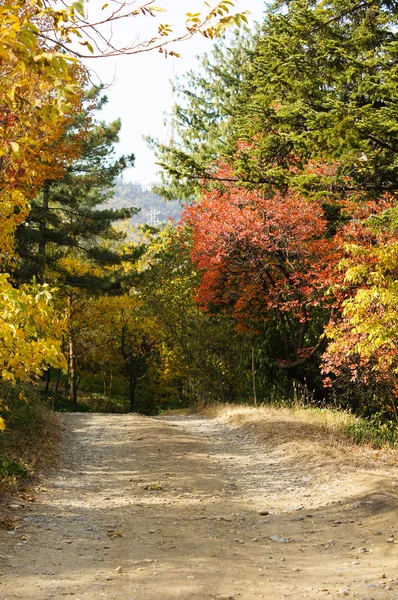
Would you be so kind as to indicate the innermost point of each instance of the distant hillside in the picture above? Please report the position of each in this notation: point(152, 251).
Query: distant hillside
point(154, 209)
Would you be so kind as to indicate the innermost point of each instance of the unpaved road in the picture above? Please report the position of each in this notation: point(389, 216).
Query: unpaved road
point(162, 509)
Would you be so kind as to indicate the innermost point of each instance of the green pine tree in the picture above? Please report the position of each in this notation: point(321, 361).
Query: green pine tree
point(203, 118)
point(68, 215)
point(322, 86)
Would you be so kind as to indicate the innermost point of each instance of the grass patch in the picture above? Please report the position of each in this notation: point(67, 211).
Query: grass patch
point(375, 431)
point(12, 469)
point(93, 402)
point(177, 412)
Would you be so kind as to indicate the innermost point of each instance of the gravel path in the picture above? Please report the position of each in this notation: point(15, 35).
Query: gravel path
point(170, 508)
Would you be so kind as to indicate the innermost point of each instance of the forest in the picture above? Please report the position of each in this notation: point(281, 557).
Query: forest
point(279, 281)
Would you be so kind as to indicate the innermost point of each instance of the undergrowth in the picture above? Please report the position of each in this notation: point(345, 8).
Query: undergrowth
point(30, 437)
point(376, 431)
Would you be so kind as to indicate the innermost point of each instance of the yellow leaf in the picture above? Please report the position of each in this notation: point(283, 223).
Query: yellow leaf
point(14, 147)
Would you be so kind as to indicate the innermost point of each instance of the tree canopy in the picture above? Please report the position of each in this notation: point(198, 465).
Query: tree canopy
point(280, 277)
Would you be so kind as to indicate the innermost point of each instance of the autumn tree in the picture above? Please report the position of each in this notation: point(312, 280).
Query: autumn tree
point(31, 330)
point(201, 356)
point(31, 325)
point(361, 360)
point(36, 151)
point(267, 259)
point(113, 336)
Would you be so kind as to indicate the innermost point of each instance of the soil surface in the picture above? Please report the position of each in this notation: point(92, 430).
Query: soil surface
point(190, 508)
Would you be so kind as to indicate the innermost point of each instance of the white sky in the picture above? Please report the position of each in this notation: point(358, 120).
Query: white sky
point(141, 92)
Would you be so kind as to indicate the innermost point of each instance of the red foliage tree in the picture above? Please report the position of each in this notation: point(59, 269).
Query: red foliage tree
point(267, 258)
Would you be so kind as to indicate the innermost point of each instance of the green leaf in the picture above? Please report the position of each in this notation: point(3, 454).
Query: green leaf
point(79, 7)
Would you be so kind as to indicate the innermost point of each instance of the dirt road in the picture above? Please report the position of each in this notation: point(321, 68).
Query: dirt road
point(162, 509)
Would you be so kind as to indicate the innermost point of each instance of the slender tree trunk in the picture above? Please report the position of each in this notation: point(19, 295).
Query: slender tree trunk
point(48, 378)
point(57, 382)
point(132, 386)
point(222, 393)
point(254, 376)
point(72, 374)
point(103, 379)
point(110, 385)
point(56, 388)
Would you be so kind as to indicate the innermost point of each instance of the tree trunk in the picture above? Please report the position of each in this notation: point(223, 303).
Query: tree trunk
point(57, 382)
point(222, 393)
point(254, 376)
point(56, 388)
point(110, 385)
point(132, 386)
point(103, 379)
point(48, 378)
point(72, 374)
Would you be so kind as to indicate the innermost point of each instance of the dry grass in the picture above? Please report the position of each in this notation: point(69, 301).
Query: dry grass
point(178, 412)
point(309, 435)
point(321, 420)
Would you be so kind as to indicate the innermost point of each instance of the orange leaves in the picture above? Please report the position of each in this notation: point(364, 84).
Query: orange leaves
point(42, 151)
point(260, 253)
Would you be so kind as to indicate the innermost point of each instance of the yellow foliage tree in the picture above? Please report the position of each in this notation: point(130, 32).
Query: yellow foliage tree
point(109, 334)
point(32, 149)
point(363, 344)
point(40, 88)
point(31, 330)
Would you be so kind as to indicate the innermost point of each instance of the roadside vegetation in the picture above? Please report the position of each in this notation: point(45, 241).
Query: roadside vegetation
point(29, 444)
point(278, 283)
point(337, 426)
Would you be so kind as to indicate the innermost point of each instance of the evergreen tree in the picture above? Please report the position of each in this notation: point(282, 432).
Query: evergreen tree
point(318, 83)
point(322, 86)
point(203, 118)
point(67, 215)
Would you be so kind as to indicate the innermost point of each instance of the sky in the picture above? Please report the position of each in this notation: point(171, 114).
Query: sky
point(139, 90)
